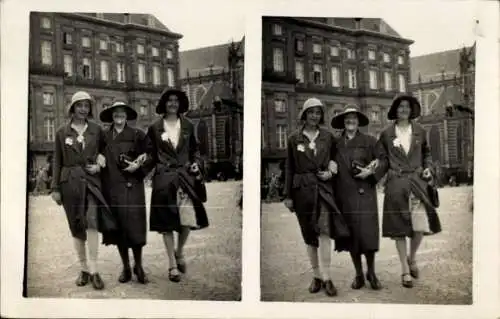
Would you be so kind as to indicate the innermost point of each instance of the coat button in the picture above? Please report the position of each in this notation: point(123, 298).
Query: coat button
point(129, 184)
point(361, 191)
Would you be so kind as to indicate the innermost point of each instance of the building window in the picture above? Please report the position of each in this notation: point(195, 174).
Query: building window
point(334, 50)
point(119, 47)
point(402, 83)
point(46, 23)
point(67, 38)
point(317, 48)
point(142, 72)
point(170, 77)
point(335, 76)
point(46, 52)
point(140, 49)
point(68, 65)
point(401, 59)
point(371, 54)
point(104, 71)
point(279, 106)
point(49, 127)
point(299, 45)
point(388, 81)
point(375, 116)
point(170, 54)
point(277, 29)
point(86, 42)
point(281, 131)
point(143, 110)
point(299, 71)
point(48, 98)
point(87, 68)
point(317, 74)
point(373, 80)
point(351, 74)
point(387, 58)
point(156, 75)
point(120, 72)
point(278, 64)
point(103, 44)
point(351, 54)
point(155, 52)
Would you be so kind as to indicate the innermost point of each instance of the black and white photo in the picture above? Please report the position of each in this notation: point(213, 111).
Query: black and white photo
point(367, 162)
point(134, 158)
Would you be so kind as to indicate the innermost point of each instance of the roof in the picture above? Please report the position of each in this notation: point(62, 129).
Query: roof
point(371, 24)
point(217, 89)
point(200, 61)
point(431, 66)
point(148, 20)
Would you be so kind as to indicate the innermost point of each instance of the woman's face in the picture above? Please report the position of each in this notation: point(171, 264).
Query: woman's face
point(351, 122)
point(81, 109)
point(172, 104)
point(313, 116)
point(404, 110)
point(119, 116)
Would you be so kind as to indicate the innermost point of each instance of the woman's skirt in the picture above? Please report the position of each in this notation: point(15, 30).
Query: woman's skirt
point(314, 224)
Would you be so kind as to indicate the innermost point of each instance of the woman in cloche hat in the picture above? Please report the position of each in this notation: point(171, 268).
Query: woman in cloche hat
point(126, 149)
point(409, 210)
point(308, 192)
point(356, 193)
point(178, 190)
point(76, 184)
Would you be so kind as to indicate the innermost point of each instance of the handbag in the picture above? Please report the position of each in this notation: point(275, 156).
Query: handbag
point(432, 191)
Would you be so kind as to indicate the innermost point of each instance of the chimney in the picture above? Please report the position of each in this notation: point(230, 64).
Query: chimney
point(357, 23)
point(126, 18)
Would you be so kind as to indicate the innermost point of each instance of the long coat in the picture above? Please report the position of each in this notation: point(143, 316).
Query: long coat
point(404, 176)
point(357, 198)
point(124, 191)
point(73, 182)
point(170, 172)
point(304, 187)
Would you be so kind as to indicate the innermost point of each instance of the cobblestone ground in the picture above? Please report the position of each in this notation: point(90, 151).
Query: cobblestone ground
point(213, 256)
point(445, 260)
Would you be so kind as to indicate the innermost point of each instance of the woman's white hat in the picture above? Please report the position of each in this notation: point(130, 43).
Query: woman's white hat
point(310, 103)
point(79, 96)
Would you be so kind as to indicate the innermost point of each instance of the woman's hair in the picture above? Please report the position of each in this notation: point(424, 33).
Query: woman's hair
point(322, 118)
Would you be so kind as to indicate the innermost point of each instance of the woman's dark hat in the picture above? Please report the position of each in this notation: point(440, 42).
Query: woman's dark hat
point(106, 115)
point(181, 95)
point(338, 120)
point(414, 105)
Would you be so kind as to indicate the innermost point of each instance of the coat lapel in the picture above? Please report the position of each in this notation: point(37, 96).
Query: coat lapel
point(184, 135)
point(321, 147)
point(163, 144)
point(415, 136)
point(302, 146)
point(71, 134)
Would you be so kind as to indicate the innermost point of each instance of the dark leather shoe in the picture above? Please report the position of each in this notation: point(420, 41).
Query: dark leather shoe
point(330, 288)
point(316, 285)
point(181, 263)
point(82, 279)
point(414, 272)
point(125, 276)
point(373, 280)
point(173, 277)
point(140, 274)
point(97, 282)
point(358, 282)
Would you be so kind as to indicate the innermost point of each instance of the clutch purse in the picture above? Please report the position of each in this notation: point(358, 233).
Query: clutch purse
point(122, 160)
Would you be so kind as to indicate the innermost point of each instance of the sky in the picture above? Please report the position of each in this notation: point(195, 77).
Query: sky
point(442, 25)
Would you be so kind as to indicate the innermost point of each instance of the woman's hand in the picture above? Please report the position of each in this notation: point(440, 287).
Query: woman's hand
point(56, 197)
point(324, 175)
point(132, 166)
point(333, 167)
point(92, 169)
point(289, 204)
point(141, 159)
point(101, 160)
point(364, 172)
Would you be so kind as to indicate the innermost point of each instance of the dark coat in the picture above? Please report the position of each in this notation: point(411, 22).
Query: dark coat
point(306, 189)
point(404, 176)
point(124, 191)
point(73, 182)
point(170, 172)
point(357, 198)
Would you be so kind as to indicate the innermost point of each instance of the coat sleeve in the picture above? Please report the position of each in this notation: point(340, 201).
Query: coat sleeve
point(101, 143)
point(194, 149)
point(289, 169)
point(144, 146)
point(150, 150)
point(381, 153)
point(57, 164)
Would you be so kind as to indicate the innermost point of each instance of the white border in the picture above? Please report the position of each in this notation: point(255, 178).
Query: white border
point(14, 75)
